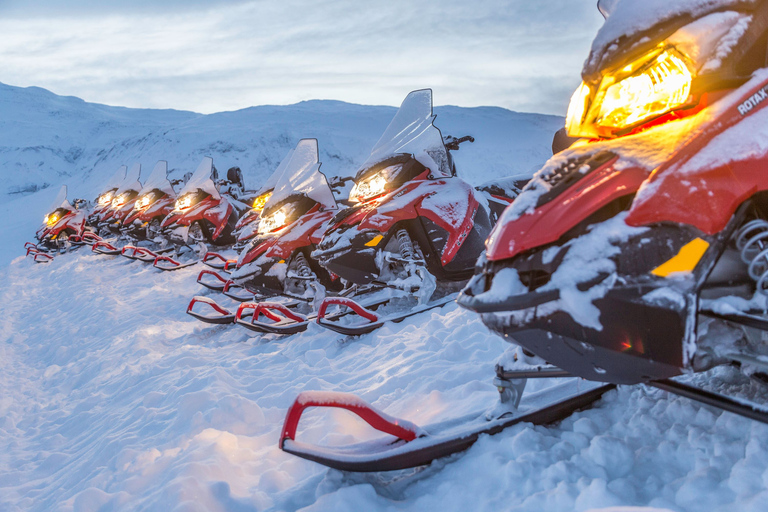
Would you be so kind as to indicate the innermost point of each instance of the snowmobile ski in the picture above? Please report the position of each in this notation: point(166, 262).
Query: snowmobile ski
point(224, 315)
point(174, 265)
point(217, 284)
point(104, 247)
point(417, 446)
point(218, 262)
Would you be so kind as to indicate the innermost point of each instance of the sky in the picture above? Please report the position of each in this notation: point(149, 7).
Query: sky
point(217, 55)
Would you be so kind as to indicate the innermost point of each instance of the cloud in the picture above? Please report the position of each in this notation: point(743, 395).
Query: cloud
point(227, 55)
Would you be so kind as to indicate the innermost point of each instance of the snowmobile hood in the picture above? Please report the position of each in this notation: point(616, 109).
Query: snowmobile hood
point(302, 176)
point(201, 180)
point(412, 132)
point(158, 180)
point(633, 28)
point(131, 182)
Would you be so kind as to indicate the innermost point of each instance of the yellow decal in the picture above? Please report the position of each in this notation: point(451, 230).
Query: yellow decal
point(375, 241)
point(281, 261)
point(685, 260)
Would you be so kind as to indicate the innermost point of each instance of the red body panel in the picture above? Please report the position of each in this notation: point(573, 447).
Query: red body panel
point(305, 231)
point(160, 208)
point(216, 211)
point(73, 221)
point(703, 197)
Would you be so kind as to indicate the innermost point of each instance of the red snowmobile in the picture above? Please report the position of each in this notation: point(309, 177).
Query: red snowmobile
point(415, 227)
point(111, 219)
point(638, 253)
point(206, 211)
point(63, 226)
point(276, 263)
point(104, 201)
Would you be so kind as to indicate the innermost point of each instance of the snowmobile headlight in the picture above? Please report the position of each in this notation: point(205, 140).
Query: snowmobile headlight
point(368, 188)
point(272, 223)
point(51, 219)
point(187, 200)
point(649, 87)
point(105, 199)
point(120, 200)
point(259, 202)
point(143, 201)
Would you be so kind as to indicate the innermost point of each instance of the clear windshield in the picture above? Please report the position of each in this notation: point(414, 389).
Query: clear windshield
point(302, 176)
point(275, 177)
point(116, 180)
point(131, 182)
point(61, 200)
point(159, 179)
point(201, 180)
point(412, 132)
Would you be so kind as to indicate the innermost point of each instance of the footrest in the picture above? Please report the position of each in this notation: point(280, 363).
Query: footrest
point(382, 422)
point(283, 320)
point(217, 285)
point(224, 315)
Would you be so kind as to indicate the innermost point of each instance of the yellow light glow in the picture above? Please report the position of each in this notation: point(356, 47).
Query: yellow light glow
point(51, 219)
point(659, 84)
point(184, 201)
point(272, 223)
point(105, 199)
point(143, 201)
point(368, 188)
point(259, 202)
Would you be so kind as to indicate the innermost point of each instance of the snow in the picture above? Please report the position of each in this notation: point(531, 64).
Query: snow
point(112, 398)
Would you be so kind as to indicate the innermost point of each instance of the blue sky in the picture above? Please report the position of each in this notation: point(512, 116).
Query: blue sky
point(209, 56)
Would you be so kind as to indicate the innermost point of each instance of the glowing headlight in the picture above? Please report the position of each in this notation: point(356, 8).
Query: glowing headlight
point(105, 199)
point(272, 223)
point(641, 91)
point(259, 202)
point(51, 219)
point(144, 201)
point(119, 200)
point(368, 188)
point(185, 201)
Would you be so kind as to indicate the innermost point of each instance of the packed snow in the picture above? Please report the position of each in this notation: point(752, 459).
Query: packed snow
point(112, 398)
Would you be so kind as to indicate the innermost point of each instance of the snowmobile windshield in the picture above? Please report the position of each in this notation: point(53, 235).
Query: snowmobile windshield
point(302, 177)
point(655, 57)
point(265, 192)
point(131, 182)
point(105, 198)
point(158, 180)
point(201, 180)
point(61, 201)
point(412, 132)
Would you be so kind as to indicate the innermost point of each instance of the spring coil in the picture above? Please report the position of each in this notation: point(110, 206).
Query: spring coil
point(302, 267)
point(406, 245)
point(752, 243)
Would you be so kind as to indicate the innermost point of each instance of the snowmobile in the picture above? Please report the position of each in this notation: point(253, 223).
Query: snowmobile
point(111, 219)
point(63, 227)
point(415, 227)
point(104, 201)
point(206, 211)
point(153, 204)
point(638, 253)
point(246, 229)
point(276, 263)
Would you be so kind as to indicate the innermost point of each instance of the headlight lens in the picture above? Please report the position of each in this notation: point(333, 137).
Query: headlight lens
point(105, 199)
point(654, 85)
point(120, 200)
point(186, 201)
point(145, 200)
point(274, 222)
point(259, 202)
point(51, 219)
point(368, 188)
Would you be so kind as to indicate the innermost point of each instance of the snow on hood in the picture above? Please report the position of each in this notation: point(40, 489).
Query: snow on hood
point(116, 180)
point(302, 176)
point(643, 24)
point(159, 179)
point(275, 177)
point(411, 132)
point(201, 180)
point(131, 181)
point(61, 200)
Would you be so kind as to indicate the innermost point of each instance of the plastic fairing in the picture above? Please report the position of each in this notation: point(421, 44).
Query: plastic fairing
point(117, 179)
point(61, 201)
point(275, 177)
point(201, 180)
point(411, 132)
point(131, 181)
point(302, 176)
point(158, 180)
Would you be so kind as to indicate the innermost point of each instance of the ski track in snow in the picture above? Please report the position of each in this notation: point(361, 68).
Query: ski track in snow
point(114, 399)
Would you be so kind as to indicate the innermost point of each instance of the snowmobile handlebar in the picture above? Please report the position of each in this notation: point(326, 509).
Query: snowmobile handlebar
point(452, 143)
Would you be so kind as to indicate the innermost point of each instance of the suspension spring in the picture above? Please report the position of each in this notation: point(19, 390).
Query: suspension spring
point(752, 242)
point(406, 245)
point(302, 267)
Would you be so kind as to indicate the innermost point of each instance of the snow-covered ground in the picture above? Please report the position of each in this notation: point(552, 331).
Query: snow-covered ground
point(112, 398)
